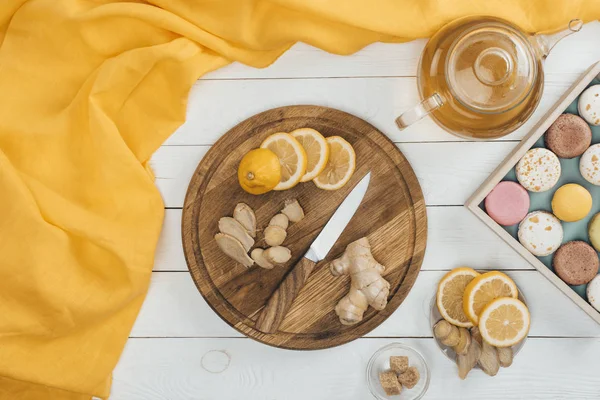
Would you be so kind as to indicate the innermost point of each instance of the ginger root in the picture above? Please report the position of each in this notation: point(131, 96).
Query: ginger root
point(367, 288)
point(505, 356)
point(466, 362)
point(489, 359)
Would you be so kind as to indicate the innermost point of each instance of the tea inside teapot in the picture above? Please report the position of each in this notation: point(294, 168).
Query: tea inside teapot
point(481, 77)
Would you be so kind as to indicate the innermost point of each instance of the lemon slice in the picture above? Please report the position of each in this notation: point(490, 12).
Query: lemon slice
point(504, 322)
point(317, 151)
point(340, 166)
point(450, 292)
point(292, 158)
point(485, 288)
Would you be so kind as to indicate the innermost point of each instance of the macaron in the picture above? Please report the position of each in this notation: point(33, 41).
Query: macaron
point(593, 292)
point(589, 105)
point(569, 136)
point(507, 203)
point(576, 262)
point(571, 202)
point(541, 233)
point(594, 231)
point(538, 170)
point(589, 165)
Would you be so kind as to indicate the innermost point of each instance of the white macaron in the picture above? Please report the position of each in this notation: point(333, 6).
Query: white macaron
point(589, 105)
point(589, 164)
point(538, 170)
point(593, 292)
point(541, 233)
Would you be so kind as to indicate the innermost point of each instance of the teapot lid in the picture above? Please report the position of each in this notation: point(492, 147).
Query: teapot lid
point(491, 68)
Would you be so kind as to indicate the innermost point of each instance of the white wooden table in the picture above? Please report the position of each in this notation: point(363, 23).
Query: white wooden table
point(176, 329)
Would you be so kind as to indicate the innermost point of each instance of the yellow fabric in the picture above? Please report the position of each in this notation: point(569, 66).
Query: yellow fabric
point(89, 89)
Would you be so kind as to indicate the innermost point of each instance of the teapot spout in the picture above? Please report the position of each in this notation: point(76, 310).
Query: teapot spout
point(545, 43)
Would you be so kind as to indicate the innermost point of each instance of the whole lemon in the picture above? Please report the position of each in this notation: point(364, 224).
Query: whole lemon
point(259, 171)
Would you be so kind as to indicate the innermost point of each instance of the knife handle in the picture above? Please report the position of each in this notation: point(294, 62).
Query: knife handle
point(281, 300)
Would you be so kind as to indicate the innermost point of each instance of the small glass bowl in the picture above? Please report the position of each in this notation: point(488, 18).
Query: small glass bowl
point(381, 362)
point(435, 316)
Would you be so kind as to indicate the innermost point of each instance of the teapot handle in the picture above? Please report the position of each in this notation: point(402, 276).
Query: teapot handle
point(416, 113)
point(545, 43)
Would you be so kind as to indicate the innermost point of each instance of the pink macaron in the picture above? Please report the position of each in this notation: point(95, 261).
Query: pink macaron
point(507, 203)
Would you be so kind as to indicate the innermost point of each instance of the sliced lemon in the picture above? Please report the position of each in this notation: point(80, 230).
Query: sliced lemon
point(450, 292)
point(317, 151)
point(292, 158)
point(485, 288)
point(340, 166)
point(504, 322)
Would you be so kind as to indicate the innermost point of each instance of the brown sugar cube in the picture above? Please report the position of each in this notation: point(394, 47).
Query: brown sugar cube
point(389, 383)
point(399, 364)
point(409, 378)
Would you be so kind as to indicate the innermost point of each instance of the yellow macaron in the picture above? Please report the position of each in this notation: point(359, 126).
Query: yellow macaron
point(571, 202)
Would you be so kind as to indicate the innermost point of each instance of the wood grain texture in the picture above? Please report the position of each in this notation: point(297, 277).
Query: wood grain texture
point(392, 216)
point(272, 315)
point(509, 162)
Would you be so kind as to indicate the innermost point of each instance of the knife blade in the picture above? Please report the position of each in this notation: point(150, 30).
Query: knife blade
point(280, 302)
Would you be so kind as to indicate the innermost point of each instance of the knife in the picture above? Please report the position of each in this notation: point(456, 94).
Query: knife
point(281, 300)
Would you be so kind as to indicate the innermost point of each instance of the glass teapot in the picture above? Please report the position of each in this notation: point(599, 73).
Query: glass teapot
point(481, 77)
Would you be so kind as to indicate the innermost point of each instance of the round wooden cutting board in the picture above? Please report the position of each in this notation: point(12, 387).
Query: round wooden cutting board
point(392, 216)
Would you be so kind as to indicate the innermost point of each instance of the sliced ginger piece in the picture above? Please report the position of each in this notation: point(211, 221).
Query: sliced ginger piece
point(442, 329)
point(464, 342)
point(275, 235)
point(246, 217)
point(233, 248)
point(453, 337)
point(259, 257)
point(293, 210)
point(281, 220)
point(232, 227)
point(277, 254)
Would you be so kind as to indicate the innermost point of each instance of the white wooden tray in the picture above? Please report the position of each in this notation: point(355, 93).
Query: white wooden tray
point(473, 203)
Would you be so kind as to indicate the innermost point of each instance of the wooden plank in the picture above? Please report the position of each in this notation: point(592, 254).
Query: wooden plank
point(448, 172)
point(454, 237)
point(175, 308)
point(216, 106)
point(158, 369)
point(382, 59)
